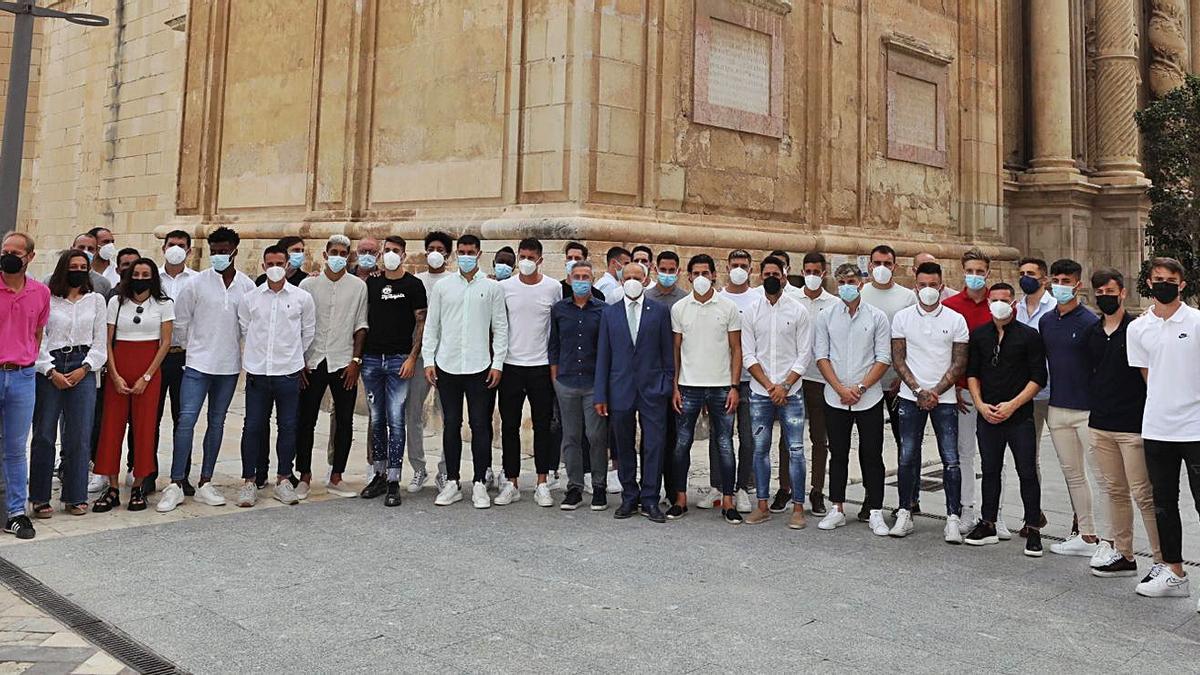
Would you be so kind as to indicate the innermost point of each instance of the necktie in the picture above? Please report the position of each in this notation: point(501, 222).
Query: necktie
point(634, 319)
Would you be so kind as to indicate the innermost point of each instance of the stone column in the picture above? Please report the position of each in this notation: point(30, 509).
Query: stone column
point(1117, 83)
point(1050, 79)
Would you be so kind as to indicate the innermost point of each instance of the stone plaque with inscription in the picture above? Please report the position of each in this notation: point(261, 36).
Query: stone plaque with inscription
point(738, 78)
point(917, 94)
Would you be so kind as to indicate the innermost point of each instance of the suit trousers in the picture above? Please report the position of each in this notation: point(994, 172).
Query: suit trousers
point(651, 414)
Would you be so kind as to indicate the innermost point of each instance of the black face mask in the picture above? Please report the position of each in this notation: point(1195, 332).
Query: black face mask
point(1109, 304)
point(139, 286)
point(76, 278)
point(772, 285)
point(10, 263)
point(1163, 291)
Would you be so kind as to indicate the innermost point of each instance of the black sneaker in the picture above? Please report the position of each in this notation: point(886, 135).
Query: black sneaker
point(189, 490)
point(21, 526)
point(1041, 523)
point(599, 500)
point(864, 514)
point(982, 534)
point(625, 510)
point(1117, 568)
point(783, 498)
point(653, 513)
point(732, 516)
point(1033, 544)
point(817, 503)
point(676, 512)
point(376, 487)
point(573, 499)
point(393, 494)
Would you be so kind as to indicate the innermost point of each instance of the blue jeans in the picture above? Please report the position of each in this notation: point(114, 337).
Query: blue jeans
point(196, 386)
point(763, 414)
point(912, 430)
point(263, 392)
point(721, 423)
point(18, 392)
point(387, 394)
point(75, 408)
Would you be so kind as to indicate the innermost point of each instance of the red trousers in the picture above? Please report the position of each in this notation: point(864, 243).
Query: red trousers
point(133, 359)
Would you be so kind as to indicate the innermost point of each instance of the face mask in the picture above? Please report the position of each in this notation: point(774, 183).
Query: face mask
point(620, 273)
point(435, 260)
point(1029, 285)
point(702, 285)
point(108, 252)
point(10, 263)
point(812, 282)
point(881, 275)
point(848, 292)
point(1001, 310)
point(1163, 291)
point(975, 282)
point(503, 271)
point(296, 260)
point(772, 285)
point(220, 261)
point(1063, 294)
point(527, 267)
point(139, 286)
point(1109, 304)
point(570, 266)
point(336, 263)
point(581, 288)
point(76, 278)
point(366, 261)
point(91, 256)
point(276, 274)
point(467, 263)
point(391, 261)
point(929, 296)
point(633, 288)
point(667, 280)
point(738, 276)
point(175, 255)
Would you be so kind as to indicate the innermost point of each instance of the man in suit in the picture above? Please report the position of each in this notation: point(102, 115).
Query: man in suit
point(635, 374)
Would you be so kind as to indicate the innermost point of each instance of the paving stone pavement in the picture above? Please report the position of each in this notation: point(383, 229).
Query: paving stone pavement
point(32, 642)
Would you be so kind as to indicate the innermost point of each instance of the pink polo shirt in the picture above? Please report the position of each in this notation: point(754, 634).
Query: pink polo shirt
point(21, 315)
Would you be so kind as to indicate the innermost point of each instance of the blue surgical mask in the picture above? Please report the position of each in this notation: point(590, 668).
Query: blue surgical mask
point(366, 261)
point(467, 263)
point(848, 292)
point(580, 288)
point(336, 263)
point(975, 281)
point(1063, 294)
point(91, 256)
point(667, 280)
point(620, 273)
point(502, 271)
point(296, 259)
point(220, 261)
point(570, 266)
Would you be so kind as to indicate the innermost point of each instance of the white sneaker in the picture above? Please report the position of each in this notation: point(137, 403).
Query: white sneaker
point(1074, 545)
point(967, 522)
point(904, 524)
point(878, 525)
point(1104, 554)
point(508, 494)
point(552, 481)
point(341, 489)
point(480, 498)
point(96, 484)
point(489, 479)
point(1165, 585)
point(587, 484)
point(285, 493)
point(954, 527)
point(614, 483)
point(449, 494)
point(247, 494)
point(1002, 530)
point(441, 481)
point(209, 494)
point(171, 497)
point(832, 520)
point(418, 481)
point(742, 502)
point(302, 489)
point(704, 497)
point(541, 495)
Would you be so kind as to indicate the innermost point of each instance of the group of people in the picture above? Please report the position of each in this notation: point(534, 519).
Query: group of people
point(596, 356)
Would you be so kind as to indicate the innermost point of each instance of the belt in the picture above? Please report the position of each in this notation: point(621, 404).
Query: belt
point(70, 349)
point(15, 366)
point(176, 350)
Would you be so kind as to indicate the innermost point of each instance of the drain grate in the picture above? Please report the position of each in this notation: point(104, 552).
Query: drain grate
point(89, 626)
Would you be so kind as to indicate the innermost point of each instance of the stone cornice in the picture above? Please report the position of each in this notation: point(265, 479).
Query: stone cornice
point(915, 47)
point(777, 6)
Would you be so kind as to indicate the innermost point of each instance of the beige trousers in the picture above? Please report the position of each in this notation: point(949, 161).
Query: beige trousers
point(1122, 461)
point(1069, 432)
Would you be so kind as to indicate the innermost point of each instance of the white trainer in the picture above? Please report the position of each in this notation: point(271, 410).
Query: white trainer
point(449, 494)
point(302, 490)
point(441, 481)
point(284, 493)
point(904, 524)
point(614, 483)
point(171, 498)
point(832, 520)
point(1002, 531)
point(209, 494)
point(247, 495)
point(96, 483)
point(954, 527)
point(541, 495)
point(340, 489)
point(490, 480)
point(704, 497)
point(508, 494)
point(1074, 545)
point(1104, 554)
point(742, 502)
point(1165, 585)
point(878, 525)
point(418, 481)
point(552, 481)
point(967, 522)
point(587, 483)
point(480, 498)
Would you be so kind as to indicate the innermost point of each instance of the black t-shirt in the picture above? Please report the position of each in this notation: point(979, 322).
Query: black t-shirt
point(1118, 392)
point(391, 313)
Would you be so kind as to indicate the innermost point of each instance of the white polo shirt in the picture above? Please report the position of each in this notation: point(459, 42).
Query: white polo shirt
point(1170, 351)
point(930, 338)
point(705, 327)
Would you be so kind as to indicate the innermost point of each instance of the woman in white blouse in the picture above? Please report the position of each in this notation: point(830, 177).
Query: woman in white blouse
point(140, 319)
point(74, 349)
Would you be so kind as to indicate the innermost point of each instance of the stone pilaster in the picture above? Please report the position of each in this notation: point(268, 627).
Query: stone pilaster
point(1168, 44)
point(1050, 75)
point(1117, 83)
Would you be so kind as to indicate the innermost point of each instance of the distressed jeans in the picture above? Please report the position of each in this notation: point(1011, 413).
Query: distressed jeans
point(196, 387)
point(763, 414)
point(912, 431)
point(387, 394)
point(721, 426)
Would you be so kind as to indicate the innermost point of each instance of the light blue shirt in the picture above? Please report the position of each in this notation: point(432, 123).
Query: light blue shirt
point(466, 331)
point(1045, 306)
point(853, 344)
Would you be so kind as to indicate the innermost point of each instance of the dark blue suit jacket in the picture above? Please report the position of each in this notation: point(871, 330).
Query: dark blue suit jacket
point(626, 372)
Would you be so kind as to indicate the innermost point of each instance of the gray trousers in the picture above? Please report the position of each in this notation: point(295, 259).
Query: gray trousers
point(414, 420)
point(579, 418)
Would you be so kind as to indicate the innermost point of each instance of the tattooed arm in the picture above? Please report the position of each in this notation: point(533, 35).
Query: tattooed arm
point(958, 366)
point(900, 363)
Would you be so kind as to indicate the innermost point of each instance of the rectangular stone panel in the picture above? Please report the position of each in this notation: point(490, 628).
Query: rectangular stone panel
point(738, 73)
point(739, 68)
point(918, 90)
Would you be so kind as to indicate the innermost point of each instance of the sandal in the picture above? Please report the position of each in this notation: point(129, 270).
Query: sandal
point(137, 499)
point(108, 502)
point(43, 510)
point(79, 509)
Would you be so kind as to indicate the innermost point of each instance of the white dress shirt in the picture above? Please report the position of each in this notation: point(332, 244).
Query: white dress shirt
point(466, 330)
point(610, 287)
point(206, 320)
point(777, 337)
point(853, 344)
point(1046, 304)
point(815, 306)
point(341, 312)
point(276, 329)
point(82, 323)
point(110, 273)
point(173, 286)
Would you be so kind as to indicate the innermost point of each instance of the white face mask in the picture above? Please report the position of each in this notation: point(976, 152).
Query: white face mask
point(108, 252)
point(175, 255)
point(391, 261)
point(526, 267)
point(929, 296)
point(702, 285)
point(738, 276)
point(1001, 310)
point(435, 260)
point(812, 282)
point(633, 289)
point(881, 275)
point(276, 274)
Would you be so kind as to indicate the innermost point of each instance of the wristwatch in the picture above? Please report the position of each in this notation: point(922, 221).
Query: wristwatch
point(862, 388)
point(356, 360)
point(918, 391)
point(147, 377)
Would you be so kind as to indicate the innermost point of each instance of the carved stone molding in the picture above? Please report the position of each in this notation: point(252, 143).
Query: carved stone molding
point(1168, 45)
point(1117, 83)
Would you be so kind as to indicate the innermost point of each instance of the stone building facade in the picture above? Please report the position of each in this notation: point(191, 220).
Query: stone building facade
point(827, 125)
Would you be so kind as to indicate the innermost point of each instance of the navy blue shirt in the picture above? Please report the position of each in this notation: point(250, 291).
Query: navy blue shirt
point(1066, 338)
point(574, 335)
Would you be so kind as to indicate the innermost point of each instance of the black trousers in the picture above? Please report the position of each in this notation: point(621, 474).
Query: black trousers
point(1162, 463)
point(519, 383)
point(480, 402)
point(838, 424)
point(1021, 439)
point(320, 379)
point(668, 466)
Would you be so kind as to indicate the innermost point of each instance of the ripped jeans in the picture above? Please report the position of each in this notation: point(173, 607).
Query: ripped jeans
point(912, 432)
point(763, 414)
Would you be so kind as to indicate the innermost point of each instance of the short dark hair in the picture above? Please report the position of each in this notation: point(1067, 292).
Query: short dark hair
point(740, 253)
point(667, 255)
point(814, 257)
point(281, 250)
point(224, 235)
point(1041, 264)
point(530, 244)
point(128, 250)
point(470, 240)
point(397, 240)
point(575, 245)
point(884, 249)
point(616, 252)
point(97, 230)
point(1003, 286)
point(771, 260)
point(930, 268)
point(642, 247)
point(506, 249)
point(783, 255)
point(179, 234)
point(1169, 264)
point(702, 259)
point(1068, 267)
point(287, 242)
point(1106, 274)
point(58, 280)
point(439, 236)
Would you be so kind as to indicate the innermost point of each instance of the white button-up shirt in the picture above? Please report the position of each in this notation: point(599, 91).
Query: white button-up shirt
point(466, 330)
point(853, 344)
point(276, 328)
point(206, 319)
point(777, 337)
point(341, 312)
point(610, 287)
point(173, 286)
point(1046, 304)
point(82, 323)
point(815, 306)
